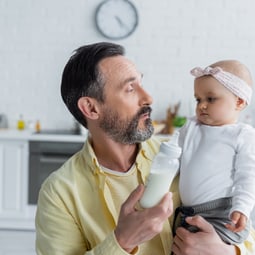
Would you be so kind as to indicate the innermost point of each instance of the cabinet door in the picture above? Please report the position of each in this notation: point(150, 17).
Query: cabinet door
point(13, 179)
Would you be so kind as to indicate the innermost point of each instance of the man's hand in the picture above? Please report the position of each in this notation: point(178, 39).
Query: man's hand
point(137, 226)
point(206, 241)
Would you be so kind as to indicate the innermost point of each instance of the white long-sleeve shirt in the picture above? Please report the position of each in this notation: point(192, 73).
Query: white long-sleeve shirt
point(216, 162)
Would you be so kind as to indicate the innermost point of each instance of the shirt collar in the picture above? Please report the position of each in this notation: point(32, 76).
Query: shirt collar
point(147, 151)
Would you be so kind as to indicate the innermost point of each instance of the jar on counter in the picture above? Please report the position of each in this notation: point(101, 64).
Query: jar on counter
point(21, 123)
point(37, 126)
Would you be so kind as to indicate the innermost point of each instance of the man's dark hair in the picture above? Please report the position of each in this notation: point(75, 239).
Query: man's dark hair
point(81, 76)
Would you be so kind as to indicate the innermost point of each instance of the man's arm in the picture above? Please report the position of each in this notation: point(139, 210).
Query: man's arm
point(138, 226)
point(57, 232)
point(206, 242)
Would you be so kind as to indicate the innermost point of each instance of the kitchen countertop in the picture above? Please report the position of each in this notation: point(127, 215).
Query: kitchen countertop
point(29, 135)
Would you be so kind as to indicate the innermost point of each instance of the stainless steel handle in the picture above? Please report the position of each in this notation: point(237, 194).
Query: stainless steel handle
point(53, 159)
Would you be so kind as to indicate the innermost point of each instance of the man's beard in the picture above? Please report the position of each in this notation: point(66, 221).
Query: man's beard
point(126, 131)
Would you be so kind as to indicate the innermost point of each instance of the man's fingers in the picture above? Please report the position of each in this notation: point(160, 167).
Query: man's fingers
point(201, 223)
point(129, 205)
point(166, 203)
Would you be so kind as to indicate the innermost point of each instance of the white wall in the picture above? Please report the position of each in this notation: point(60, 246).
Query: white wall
point(37, 38)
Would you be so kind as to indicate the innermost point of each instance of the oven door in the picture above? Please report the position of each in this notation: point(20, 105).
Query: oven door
point(46, 157)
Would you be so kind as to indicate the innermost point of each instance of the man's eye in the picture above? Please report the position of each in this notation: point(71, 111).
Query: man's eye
point(130, 88)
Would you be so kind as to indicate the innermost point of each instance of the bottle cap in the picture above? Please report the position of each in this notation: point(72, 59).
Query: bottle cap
point(171, 148)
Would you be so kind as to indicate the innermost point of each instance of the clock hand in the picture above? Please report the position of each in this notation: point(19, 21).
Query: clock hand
point(120, 22)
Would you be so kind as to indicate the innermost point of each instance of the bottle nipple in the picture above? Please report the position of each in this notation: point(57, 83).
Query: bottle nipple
point(174, 138)
point(172, 148)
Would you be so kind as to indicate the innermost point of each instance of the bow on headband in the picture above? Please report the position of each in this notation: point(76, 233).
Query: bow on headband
point(198, 71)
point(233, 83)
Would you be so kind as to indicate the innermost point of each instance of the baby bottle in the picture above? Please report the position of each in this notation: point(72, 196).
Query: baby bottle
point(164, 168)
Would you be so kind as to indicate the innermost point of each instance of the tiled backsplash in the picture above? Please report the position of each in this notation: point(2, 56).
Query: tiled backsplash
point(37, 38)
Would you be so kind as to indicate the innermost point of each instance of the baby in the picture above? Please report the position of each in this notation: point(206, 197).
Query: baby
point(217, 173)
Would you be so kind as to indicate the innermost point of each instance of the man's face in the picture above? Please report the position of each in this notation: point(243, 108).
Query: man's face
point(125, 113)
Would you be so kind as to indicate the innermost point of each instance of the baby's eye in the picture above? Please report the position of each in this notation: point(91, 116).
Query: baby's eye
point(211, 99)
point(197, 100)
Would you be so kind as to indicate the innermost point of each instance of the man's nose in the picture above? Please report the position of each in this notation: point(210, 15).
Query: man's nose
point(145, 98)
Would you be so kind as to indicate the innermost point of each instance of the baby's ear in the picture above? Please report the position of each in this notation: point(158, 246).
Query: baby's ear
point(240, 104)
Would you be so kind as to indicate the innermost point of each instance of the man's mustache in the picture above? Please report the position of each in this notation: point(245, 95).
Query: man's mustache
point(146, 109)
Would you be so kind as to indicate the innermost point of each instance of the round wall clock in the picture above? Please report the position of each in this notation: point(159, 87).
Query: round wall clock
point(116, 19)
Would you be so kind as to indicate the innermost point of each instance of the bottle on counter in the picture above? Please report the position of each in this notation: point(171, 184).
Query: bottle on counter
point(164, 168)
point(37, 126)
point(20, 123)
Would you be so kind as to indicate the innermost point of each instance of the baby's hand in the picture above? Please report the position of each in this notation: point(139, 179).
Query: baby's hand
point(239, 221)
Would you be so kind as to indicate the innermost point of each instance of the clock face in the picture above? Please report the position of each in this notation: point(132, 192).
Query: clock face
point(116, 19)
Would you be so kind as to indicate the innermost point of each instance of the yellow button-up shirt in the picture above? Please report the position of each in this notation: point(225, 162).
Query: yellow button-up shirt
point(77, 214)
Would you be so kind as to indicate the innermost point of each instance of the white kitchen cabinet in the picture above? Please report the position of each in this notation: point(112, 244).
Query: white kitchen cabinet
point(14, 212)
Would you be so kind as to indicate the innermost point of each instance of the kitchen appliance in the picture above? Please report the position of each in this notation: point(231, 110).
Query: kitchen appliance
point(3, 121)
point(58, 132)
point(44, 158)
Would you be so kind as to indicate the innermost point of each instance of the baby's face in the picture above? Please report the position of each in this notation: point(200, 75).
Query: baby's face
point(216, 105)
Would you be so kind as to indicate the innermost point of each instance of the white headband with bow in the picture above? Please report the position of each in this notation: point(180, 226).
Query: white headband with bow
point(233, 83)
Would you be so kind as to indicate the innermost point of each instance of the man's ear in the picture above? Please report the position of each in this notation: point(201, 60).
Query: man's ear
point(240, 104)
point(88, 106)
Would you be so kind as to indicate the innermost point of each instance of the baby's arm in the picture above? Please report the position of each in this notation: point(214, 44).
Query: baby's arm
point(239, 221)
